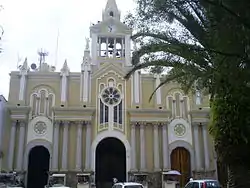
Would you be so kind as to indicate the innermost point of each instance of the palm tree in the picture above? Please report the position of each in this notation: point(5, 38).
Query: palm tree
point(209, 51)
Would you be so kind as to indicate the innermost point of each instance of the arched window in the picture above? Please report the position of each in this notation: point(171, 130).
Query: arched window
point(178, 104)
point(111, 13)
point(41, 103)
point(111, 105)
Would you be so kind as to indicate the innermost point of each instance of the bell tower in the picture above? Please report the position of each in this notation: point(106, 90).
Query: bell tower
point(110, 38)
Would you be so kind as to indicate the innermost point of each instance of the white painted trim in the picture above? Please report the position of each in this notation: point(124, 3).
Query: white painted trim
point(149, 119)
point(32, 144)
point(114, 134)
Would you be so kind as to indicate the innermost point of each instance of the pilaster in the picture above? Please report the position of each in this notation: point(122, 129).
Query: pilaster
point(142, 147)
point(79, 146)
point(12, 145)
point(133, 147)
point(156, 148)
point(165, 150)
point(65, 146)
point(197, 146)
point(55, 146)
point(88, 146)
point(20, 153)
point(206, 150)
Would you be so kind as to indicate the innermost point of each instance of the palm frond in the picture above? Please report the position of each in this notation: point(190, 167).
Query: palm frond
point(168, 79)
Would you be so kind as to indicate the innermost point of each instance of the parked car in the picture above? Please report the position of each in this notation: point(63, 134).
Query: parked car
point(128, 185)
point(203, 184)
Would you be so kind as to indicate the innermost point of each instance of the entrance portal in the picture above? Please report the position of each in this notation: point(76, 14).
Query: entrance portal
point(110, 162)
point(180, 160)
point(38, 167)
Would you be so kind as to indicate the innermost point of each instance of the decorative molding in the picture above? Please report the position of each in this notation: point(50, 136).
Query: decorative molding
point(72, 110)
point(149, 119)
point(203, 113)
point(18, 112)
point(151, 111)
point(200, 121)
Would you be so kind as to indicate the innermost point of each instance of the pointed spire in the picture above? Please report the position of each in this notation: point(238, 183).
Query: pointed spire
point(24, 68)
point(25, 64)
point(65, 68)
point(111, 10)
point(87, 44)
point(111, 4)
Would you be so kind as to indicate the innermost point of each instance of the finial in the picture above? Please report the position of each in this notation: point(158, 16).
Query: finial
point(65, 68)
point(87, 43)
point(25, 65)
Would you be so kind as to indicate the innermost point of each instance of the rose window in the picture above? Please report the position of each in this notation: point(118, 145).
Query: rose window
point(179, 130)
point(40, 128)
point(111, 96)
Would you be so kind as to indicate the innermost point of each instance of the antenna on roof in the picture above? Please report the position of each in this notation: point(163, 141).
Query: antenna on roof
point(42, 54)
point(56, 53)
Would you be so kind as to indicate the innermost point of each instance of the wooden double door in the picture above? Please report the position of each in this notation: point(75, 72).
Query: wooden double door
point(180, 161)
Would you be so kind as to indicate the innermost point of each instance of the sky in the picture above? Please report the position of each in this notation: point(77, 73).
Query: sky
point(30, 25)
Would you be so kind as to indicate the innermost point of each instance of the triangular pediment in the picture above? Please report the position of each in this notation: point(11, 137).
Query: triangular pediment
point(106, 68)
point(102, 28)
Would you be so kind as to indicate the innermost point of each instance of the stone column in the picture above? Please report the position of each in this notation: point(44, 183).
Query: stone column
point(133, 147)
point(197, 147)
point(79, 146)
point(206, 152)
point(156, 148)
point(88, 146)
point(12, 146)
point(55, 146)
point(165, 151)
point(20, 153)
point(142, 147)
point(65, 145)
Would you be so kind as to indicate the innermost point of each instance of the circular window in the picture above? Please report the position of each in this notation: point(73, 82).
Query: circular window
point(111, 96)
point(40, 127)
point(179, 130)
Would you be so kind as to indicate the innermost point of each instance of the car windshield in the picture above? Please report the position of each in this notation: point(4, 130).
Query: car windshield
point(212, 184)
point(133, 186)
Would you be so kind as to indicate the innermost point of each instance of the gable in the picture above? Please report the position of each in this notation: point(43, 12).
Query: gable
point(107, 68)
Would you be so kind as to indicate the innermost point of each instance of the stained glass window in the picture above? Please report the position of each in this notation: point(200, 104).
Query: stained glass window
point(111, 96)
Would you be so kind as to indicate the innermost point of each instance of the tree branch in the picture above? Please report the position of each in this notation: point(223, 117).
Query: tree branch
point(242, 20)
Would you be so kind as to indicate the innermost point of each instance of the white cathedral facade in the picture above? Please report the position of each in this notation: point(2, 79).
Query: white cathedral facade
point(94, 122)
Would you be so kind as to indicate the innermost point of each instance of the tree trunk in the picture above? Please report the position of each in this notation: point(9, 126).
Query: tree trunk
point(238, 176)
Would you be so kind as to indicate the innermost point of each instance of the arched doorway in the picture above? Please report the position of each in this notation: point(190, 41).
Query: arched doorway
point(110, 162)
point(180, 160)
point(38, 167)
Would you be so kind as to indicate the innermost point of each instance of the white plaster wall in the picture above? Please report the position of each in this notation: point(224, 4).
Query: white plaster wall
point(187, 137)
point(32, 135)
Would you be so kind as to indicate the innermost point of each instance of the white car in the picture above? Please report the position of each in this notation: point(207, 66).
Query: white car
point(203, 184)
point(58, 186)
point(128, 185)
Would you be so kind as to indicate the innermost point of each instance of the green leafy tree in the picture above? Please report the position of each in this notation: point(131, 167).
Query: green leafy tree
point(205, 43)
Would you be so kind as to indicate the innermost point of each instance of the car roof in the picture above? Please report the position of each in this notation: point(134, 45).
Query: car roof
point(128, 183)
point(204, 180)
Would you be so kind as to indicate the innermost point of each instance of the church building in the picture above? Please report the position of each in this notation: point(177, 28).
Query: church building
point(94, 122)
